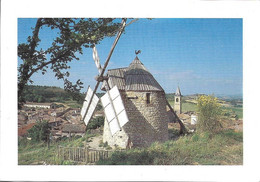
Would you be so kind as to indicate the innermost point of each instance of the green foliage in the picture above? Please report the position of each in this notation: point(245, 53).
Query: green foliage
point(39, 132)
point(223, 148)
point(37, 93)
point(99, 106)
point(136, 157)
point(236, 136)
point(209, 113)
point(100, 94)
point(96, 123)
point(30, 152)
point(173, 134)
point(73, 34)
point(200, 148)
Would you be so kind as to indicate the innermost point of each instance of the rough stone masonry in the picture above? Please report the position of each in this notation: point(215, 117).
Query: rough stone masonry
point(145, 104)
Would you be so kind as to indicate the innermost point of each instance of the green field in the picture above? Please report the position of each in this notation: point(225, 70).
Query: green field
point(186, 106)
point(237, 110)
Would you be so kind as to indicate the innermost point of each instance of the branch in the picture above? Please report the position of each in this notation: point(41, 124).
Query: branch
point(46, 63)
point(35, 38)
point(134, 20)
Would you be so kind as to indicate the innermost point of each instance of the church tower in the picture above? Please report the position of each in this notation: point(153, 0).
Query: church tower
point(177, 101)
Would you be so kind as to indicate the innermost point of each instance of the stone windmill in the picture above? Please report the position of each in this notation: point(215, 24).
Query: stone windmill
point(145, 105)
point(134, 104)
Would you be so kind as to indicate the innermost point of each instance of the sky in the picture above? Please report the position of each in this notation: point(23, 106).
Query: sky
point(198, 55)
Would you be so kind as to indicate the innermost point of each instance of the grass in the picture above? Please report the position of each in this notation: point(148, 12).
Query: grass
point(38, 153)
point(186, 106)
point(224, 148)
point(238, 111)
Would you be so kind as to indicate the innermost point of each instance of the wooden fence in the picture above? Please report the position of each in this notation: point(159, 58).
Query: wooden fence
point(80, 154)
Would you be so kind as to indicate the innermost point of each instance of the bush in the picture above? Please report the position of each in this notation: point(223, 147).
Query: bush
point(39, 132)
point(209, 114)
point(96, 123)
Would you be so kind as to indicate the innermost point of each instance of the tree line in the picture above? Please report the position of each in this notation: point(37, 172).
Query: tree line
point(36, 93)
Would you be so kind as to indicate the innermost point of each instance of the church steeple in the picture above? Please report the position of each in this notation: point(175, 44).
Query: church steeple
point(177, 101)
point(178, 91)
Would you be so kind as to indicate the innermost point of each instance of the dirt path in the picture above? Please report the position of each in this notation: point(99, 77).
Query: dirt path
point(95, 141)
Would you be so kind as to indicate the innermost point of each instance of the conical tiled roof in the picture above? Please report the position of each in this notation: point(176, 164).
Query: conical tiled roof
point(178, 91)
point(138, 78)
point(137, 68)
point(133, 78)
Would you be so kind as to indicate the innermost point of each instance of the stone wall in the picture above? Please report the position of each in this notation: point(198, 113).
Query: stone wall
point(120, 138)
point(148, 122)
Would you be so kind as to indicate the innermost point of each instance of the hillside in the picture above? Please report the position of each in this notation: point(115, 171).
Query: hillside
point(224, 148)
point(36, 93)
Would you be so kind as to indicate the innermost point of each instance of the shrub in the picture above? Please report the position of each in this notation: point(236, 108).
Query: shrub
point(209, 114)
point(96, 122)
point(39, 132)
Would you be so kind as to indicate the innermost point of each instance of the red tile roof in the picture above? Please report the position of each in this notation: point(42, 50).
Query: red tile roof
point(22, 131)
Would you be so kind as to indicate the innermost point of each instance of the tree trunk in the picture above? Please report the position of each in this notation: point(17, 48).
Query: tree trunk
point(25, 73)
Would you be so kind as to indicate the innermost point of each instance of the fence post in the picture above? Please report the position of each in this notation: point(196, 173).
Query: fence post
point(69, 154)
point(87, 156)
point(74, 154)
point(79, 154)
point(58, 151)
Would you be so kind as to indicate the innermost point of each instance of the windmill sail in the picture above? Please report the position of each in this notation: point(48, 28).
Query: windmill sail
point(89, 107)
point(96, 59)
point(114, 110)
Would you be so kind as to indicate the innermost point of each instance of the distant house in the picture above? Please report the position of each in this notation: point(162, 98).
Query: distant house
point(185, 118)
point(40, 105)
point(98, 114)
point(55, 122)
point(73, 130)
point(56, 134)
point(22, 119)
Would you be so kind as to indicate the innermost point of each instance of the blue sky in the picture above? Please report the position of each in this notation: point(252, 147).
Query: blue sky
point(199, 55)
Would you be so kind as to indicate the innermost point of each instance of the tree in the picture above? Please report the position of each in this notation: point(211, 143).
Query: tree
point(39, 132)
point(209, 114)
point(96, 122)
point(73, 35)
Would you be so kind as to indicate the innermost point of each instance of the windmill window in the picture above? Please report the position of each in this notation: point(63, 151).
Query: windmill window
point(148, 98)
